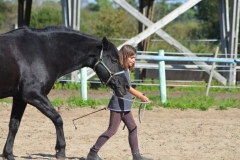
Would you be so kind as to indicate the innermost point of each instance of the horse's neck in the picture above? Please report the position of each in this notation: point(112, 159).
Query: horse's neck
point(74, 52)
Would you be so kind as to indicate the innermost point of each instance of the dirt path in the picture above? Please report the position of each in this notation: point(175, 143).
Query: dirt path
point(165, 134)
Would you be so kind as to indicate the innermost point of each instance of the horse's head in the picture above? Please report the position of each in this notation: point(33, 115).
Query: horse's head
point(109, 69)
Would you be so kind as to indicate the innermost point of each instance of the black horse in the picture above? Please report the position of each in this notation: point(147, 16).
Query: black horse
point(31, 60)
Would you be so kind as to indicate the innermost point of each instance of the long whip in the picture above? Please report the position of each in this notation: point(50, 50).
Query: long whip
point(140, 117)
point(87, 115)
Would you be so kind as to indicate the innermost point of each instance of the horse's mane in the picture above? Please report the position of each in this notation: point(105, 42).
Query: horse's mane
point(53, 29)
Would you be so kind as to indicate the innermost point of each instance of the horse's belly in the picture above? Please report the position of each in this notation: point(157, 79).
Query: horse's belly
point(8, 87)
point(9, 77)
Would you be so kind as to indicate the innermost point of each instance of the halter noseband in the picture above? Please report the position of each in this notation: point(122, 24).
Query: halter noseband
point(111, 73)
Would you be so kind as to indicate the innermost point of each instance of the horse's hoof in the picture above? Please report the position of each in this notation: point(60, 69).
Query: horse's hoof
point(8, 158)
point(60, 157)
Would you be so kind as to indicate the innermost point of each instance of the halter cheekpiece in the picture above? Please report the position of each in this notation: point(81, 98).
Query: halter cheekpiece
point(111, 73)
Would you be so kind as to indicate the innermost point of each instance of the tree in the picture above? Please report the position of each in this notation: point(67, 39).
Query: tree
point(46, 15)
point(99, 5)
point(115, 23)
point(2, 18)
point(88, 20)
point(162, 9)
point(208, 14)
point(104, 4)
point(8, 15)
point(92, 7)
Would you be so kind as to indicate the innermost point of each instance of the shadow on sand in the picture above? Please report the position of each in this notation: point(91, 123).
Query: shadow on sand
point(43, 156)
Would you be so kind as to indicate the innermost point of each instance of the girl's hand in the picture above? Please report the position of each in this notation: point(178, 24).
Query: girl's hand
point(138, 94)
point(144, 98)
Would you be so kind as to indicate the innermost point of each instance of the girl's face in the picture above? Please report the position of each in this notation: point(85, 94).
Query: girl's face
point(131, 60)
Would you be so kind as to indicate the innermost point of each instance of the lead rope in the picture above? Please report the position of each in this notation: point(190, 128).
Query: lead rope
point(140, 117)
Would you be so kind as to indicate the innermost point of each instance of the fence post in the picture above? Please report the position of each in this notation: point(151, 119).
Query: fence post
point(162, 78)
point(84, 83)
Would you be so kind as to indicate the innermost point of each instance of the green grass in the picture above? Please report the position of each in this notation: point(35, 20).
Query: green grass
point(57, 102)
point(182, 98)
point(190, 102)
point(67, 85)
point(196, 101)
point(187, 100)
point(5, 100)
point(191, 97)
point(76, 101)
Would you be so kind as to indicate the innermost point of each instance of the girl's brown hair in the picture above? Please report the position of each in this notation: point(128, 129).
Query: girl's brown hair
point(125, 52)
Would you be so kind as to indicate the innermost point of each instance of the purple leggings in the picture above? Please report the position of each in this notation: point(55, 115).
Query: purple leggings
point(114, 122)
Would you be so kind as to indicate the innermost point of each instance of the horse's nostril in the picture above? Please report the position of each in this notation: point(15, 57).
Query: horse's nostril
point(127, 86)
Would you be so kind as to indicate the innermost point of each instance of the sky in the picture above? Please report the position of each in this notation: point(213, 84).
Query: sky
point(94, 1)
point(170, 1)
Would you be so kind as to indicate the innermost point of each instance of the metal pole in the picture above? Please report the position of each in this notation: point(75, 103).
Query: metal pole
point(83, 71)
point(65, 14)
point(211, 74)
point(232, 70)
point(28, 12)
point(224, 27)
point(69, 5)
point(78, 14)
point(162, 78)
point(20, 12)
point(237, 29)
point(84, 83)
point(74, 14)
point(178, 58)
point(224, 30)
point(74, 74)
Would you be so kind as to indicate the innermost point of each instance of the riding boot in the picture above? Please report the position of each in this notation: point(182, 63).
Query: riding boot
point(92, 155)
point(138, 156)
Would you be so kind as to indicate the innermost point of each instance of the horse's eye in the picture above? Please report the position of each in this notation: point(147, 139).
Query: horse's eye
point(113, 60)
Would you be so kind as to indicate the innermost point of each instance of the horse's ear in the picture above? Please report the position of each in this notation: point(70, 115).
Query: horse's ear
point(105, 43)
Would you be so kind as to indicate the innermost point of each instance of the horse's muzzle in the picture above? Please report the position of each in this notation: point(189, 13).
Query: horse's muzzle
point(121, 92)
point(128, 87)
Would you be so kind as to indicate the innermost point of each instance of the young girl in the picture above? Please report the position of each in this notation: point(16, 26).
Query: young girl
point(120, 110)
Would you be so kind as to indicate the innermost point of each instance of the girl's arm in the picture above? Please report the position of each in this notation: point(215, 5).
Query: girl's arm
point(138, 94)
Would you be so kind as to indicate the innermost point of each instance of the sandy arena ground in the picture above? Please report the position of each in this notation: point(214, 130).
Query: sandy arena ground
point(164, 134)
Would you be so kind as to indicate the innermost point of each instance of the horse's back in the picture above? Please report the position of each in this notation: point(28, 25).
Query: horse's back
point(41, 56)
point(19, 51)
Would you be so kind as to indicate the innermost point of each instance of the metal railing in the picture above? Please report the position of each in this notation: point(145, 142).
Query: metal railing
point(161, 67)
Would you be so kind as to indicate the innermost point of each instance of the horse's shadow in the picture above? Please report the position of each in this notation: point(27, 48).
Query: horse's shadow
point(44, 156)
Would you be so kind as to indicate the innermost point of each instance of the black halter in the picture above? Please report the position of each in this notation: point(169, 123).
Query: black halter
point(111, 73)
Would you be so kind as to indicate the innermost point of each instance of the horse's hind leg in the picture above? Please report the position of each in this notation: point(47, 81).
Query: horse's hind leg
point(42, 103)
point(18, 108)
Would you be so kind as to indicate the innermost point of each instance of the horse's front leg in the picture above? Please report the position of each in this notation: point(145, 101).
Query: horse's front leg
point(18, 108)
point(42, 103)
